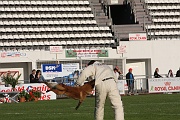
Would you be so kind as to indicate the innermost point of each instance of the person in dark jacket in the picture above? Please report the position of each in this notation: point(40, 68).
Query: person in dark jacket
point(156, 74)
point(130, 81)
point(32, 76)
point(39, 77)
point(170, 73)
point(178, 73)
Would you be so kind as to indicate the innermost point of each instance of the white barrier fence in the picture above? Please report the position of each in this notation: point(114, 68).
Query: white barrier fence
point(141, 85)
point(121, 86)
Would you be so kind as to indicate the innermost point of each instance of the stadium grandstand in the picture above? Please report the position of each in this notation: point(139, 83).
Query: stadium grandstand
point(38, 24)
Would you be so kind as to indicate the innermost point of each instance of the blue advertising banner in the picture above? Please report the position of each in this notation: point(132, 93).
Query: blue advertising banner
point(52, 67)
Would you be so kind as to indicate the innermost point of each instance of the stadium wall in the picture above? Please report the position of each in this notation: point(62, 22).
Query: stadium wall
point(30, 59)
point(162, 54)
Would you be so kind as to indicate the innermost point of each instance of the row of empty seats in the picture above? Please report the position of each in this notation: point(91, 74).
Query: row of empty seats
point(59, 29)
point(42, 8)
point(46, 48)
point(170, 19)
point(48, 2)
point(68, 42)
point(162, 1)
point(166, 38)
point(165, 13)
point(164, 7)
point(163, 32)
point(50, 22)
point(48, 15)
point(163, 26)
point(52, 35)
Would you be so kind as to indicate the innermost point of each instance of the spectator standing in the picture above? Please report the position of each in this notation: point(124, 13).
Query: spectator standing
point(178, 73)
point(156, 73)
point(170, 73)
point(32, 76)
point(39, 77)
point(117, 71)
point(130, 81)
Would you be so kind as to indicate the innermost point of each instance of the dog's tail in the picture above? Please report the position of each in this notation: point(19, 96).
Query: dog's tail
point(51, 84)
point(55, 87)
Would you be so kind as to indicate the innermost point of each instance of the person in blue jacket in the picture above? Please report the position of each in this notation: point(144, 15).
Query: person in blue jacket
point(130, 81)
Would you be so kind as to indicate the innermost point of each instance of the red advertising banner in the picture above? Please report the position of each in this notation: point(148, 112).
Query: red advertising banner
point(34, 86)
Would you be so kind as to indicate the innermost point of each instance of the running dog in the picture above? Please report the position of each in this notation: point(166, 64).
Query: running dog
point(78, 93)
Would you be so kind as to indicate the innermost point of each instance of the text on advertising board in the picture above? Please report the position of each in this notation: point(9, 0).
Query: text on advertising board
point(51, 71)
point(86, 53)
point(35, 86)
point(52, 67)
point(121, 49)
point(56, 49)
point(164, 85)
point(137, 36)
point(12, 54)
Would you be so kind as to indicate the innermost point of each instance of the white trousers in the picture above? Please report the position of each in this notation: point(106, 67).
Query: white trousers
point(104, 89)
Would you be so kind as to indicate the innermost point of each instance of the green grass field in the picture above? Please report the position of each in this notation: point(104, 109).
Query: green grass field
point(142, 107)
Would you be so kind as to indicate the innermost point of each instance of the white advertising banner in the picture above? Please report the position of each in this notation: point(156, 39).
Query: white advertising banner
point(50, 71)
point(137, 36)
point(56, 49)
point(158, 85)
point(12, 54)
point(121, 49)
point(120, 85)
point(35, 86)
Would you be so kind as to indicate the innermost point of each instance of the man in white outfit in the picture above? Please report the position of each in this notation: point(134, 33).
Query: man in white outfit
point(105, 85)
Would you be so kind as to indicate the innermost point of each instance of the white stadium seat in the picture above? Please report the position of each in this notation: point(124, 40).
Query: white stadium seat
point(96, 41)
point(35, 43)
point(46, 43)
point(74, 42)
point(63, 43)
point(6, 44)
point(29, 43)
point(58, 42)
point(80, 42)
point(18, 43)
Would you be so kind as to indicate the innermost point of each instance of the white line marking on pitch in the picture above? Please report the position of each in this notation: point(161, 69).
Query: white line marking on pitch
point(91, 113)
point(154, 114)
point(14, 113)
point(48, 113)
point(156, 103)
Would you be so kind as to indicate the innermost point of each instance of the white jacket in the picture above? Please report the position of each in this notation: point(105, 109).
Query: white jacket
point(98, 71)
